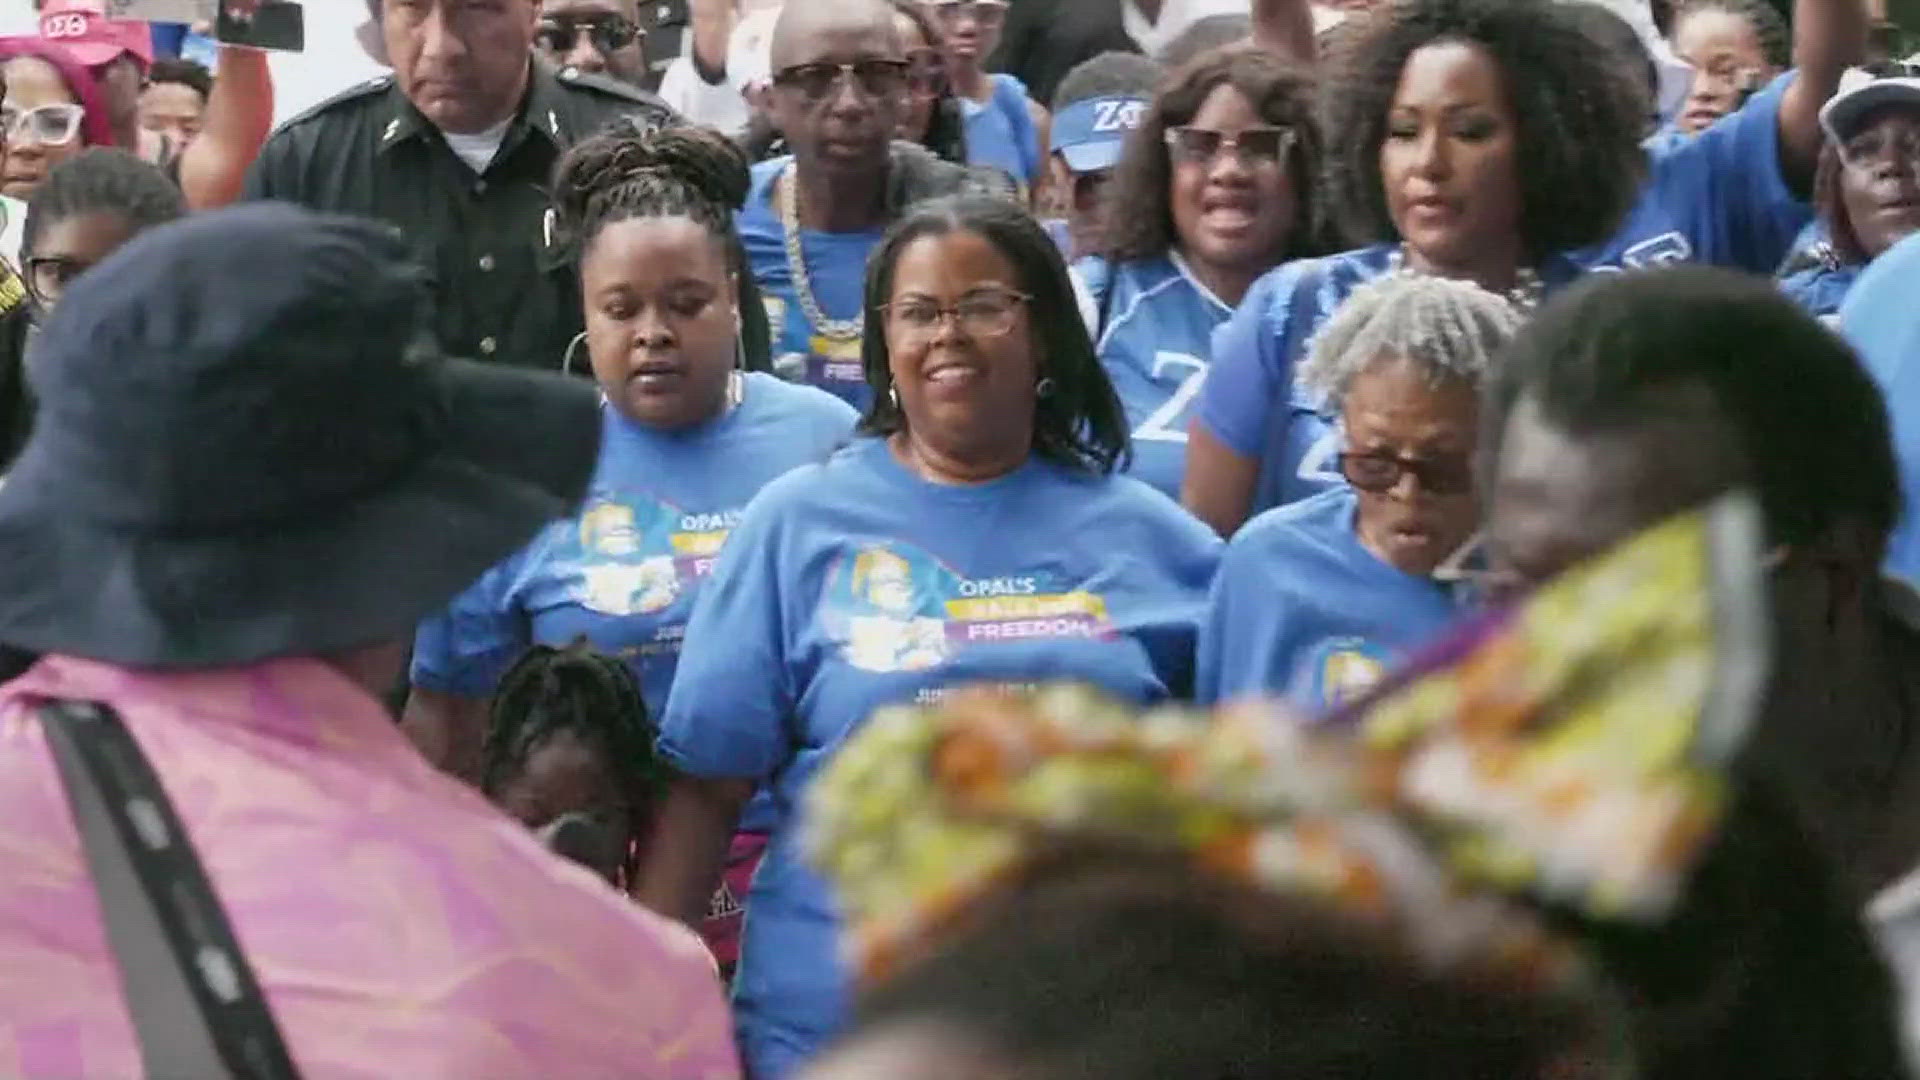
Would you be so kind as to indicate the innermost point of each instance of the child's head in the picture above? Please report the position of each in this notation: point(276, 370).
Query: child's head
point(569, 753)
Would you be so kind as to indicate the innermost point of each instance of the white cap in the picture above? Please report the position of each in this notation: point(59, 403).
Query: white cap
point(1859, 92)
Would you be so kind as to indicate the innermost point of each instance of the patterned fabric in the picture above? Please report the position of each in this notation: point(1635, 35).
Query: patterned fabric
point(1569, 750)
point(398, 924)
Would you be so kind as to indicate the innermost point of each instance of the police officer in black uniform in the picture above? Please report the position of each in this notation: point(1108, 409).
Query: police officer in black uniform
point(455, 149)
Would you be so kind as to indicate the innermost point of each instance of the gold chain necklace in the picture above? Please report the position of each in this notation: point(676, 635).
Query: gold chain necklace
point(838, 330)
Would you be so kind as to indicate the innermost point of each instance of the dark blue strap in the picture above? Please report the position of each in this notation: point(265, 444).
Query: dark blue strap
point(194, 1002)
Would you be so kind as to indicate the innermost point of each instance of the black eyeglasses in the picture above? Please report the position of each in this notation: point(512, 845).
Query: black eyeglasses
point(608, 33)
point(49, 275)
point(1256, 146)
point(873, 78)
point(1380, 473)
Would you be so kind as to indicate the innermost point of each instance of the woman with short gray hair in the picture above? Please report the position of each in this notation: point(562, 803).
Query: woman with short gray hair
point(1316, 600)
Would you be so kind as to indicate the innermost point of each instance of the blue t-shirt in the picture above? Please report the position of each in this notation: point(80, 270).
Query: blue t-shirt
point(1300, 607)
point(1155, 339)
point(1250, 400)
point(1881, 320)
point(625, 571)
point(1821, 289)
point(1716, 198)
point(1000, 132)
point(837, 270)
point(849, 585)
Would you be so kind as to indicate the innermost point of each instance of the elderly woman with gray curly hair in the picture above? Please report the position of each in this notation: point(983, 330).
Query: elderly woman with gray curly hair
point(1317, 599)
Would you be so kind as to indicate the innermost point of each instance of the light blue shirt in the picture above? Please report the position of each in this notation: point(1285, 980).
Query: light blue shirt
point(850, 585)
point(1301, 608)
point(1000, 132)
point(1156, 341)
point(1882, 321)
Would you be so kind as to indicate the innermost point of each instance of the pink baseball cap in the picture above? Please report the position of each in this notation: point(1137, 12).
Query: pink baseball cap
point(82, 28)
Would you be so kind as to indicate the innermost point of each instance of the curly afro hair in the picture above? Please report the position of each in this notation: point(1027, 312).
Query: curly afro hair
point(1580, 114)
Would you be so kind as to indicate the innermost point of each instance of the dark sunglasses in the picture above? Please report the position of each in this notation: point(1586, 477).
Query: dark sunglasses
point(1256, 145)
point(608, 33)
point(873, 78)
point(1380, 473)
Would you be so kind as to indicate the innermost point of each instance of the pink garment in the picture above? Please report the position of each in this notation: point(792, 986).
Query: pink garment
point(401, 927)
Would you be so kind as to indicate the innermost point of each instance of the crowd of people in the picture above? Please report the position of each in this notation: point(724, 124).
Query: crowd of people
point(963, 538)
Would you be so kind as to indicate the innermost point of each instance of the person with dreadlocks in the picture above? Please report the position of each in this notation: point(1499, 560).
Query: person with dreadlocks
point(569, 754)
point(87, 208)
point(687, 439)
point(1318, 599)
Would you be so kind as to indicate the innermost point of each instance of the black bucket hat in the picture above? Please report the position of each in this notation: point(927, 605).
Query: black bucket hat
point(244, 450)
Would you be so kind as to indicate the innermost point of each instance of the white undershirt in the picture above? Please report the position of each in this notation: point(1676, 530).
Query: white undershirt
point(478, 150)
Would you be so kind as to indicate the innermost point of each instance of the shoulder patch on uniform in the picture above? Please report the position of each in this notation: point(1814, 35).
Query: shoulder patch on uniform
point(376, 85)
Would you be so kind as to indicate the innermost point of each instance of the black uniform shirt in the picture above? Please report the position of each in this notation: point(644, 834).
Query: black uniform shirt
point(504, 283)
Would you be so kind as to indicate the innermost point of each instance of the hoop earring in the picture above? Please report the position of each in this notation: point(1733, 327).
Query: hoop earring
point(893, 396)
point(1044, 388)
point(566, 362)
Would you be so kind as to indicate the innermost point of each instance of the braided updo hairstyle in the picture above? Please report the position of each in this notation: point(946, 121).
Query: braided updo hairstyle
point(627, 172)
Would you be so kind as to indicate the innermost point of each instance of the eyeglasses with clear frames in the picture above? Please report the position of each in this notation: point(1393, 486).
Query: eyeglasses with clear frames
point(985, 12)
point(48, 125)
point(1255, 146)
point(984, 313)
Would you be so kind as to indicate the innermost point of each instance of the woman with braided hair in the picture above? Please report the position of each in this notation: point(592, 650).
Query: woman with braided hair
point(687, 439)
point(569, 753)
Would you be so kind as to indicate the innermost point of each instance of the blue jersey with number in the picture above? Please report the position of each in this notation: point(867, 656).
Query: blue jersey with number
point(1301, 608)
point(836, 266)
point(1715, 198)
point(1155, 338)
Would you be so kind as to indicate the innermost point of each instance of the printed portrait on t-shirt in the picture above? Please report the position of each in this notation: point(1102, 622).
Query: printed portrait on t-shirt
point(1341, 669)
point(638, 556)
point(895, 608)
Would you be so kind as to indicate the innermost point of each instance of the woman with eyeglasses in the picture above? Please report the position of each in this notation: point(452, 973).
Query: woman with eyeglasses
point(1867, 188)
point(1474, 139)
point(933, 117)
point(88, 207)
point(977, 528)
point(1215, 188)
point(1319, 599)
point(1005, 128)
point(687, 439)
point(53, 110)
